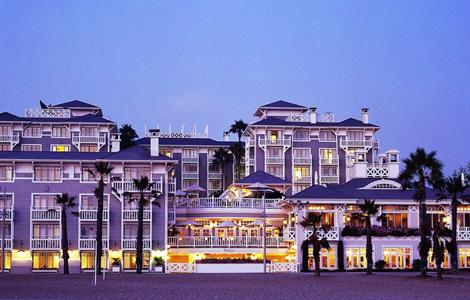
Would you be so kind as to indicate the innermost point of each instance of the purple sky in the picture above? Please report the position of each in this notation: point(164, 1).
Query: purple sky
point(211, 63)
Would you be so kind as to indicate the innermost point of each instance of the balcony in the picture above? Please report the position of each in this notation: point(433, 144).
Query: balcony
point(250, 162)
point(303, 179)
point(329, 179)
point(275, 160)
point(45, 243)
point(90, 214)
point(8, 214)
point(275, 142)
point(463, 233)
point(192, 175)
point(302, 161)
point(356, 143)
point(89, 139)
point(214, 175)
point(254, 203)
point(131, 244)
point(333, 161)
point(11, 138)
point(45, 214)
point(330, 234)
point(172, 187)
point(47, 113)
point(129, 186)
point(8, 243)
point(90, 244)
point(190, 159)
point(226, 242)
point(132, 214)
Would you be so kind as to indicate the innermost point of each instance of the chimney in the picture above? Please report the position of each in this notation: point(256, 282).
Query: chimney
point(154, 143)
point(115, 142)
point(313, 115)
point(226, 136)
point(365, 115)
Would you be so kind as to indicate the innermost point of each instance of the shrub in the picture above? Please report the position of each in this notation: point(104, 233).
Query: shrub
point(380, 264)
point(416, 264)
point(158, 261)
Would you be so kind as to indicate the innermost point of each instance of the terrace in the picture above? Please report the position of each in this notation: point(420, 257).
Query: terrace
point(226, 242)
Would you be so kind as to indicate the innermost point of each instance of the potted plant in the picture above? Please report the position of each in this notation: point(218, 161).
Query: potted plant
point(116, 265)
point(159, 263)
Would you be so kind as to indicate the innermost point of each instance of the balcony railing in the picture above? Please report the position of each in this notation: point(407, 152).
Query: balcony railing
point(190, 159)
point(131, 244)
point(98, 139)
point(250, 161)
point(255, 203)
point(8, 214)
point(11, 138)
point(90, 214)
point(129, 186)
point(8, 243)
point(274, 160)
point(45, 214)
point(463, 233)
point(356, 143)
point(303, 179)
point(47, 113)
point(172, 187)
point(214, 175)
point(132, 214)
point(190, 175)
point(302, 160)
point(329, 179)
point(90, 244)
point(330, 234)
point(329, 161)
point(226, 242)
point(275, 142)
point(45, 243)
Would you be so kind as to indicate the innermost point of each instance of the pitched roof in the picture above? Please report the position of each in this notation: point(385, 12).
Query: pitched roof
point(88, 118)
point(275, 121)
point(185, 142)
point(75, 104)
point(6, 116)
point(283, 104)
point(262, 177)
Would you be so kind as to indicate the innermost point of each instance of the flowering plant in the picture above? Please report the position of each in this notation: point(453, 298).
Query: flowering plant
point(379, 231)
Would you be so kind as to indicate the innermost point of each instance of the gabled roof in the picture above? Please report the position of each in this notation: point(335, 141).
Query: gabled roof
point(75, 104)
point(275, 121)
point(280, 104)
point(262, 177)
point(7, 117)
point(88, 118)
point(185, 142)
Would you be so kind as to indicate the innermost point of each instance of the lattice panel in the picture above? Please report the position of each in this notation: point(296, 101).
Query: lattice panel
point(180, 268)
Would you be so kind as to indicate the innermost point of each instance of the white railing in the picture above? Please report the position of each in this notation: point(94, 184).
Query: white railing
point(132, 244)
point(302, 160)
point(180, 268)
point(8, 243)
point(98, 139)
point(90, 214)
point(172, 187)
point(190, 159)
point(275, 142)
point(377, 171)
point(132, 214)
point(45, 214)
point(226, 203)
point(463, 233)
point(90, 244)
point(298, 118)
point(303, 179)
point(330, 233)
point(10, 138)
point(289, 233)
point(217, 175)
point(329, 179)
point(47, 113)
point(8, 214)
point(274, 160)
point(329, 161)
point(226, 242)
point(250, 161)
point(190, 175)
point(129, 186)
point(282, 267)
point(45, 243)
point(356, 143)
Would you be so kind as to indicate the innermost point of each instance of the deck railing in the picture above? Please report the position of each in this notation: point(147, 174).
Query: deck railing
point(190, 159)
point(97, 139)
point(8, 214)
point(8, 243)
point(302, 160)
point(256, 203)
point(329, 179)
point(303, 179)
point(45, 214)
point(90, 244)
point(274, 159)
point(132, 214)
point(131, 244)
point(226, 242)
point(90, 214)
point(329, 161)
point(45, 243)
point(357, 143)
point(275, 142)
point(463, 233)
point(14, 137)
point(129, 186)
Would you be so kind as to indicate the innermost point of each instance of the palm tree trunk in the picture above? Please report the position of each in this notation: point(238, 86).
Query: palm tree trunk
point(453, 235)
point(140, 235)
point(65, 240)
point(222, 167)
point(99, 226)
point(316, 257)
point(369, 246)
point(423, 237)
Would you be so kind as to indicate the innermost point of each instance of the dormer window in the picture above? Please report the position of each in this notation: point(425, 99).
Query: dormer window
point(393, 158)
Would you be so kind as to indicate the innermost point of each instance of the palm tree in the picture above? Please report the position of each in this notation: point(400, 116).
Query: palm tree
point(221, 158)
point(101, 170)
point(143, 185)
point(422, 169)
point(238, 152)
point(368, 210)
point(65, 202)
point(453, 189)
point(238, 128)
point(128, 135)
point(312, 221)
point(440, 241)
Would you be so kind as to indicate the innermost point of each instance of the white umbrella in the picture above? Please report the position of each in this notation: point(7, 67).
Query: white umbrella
point(194, 189)
point(228, 224)
point(188, 223)
point(180, 193)
point(259, 187)
point(257, 223)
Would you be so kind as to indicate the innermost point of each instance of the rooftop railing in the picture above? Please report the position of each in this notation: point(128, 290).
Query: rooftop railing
point(47, 113)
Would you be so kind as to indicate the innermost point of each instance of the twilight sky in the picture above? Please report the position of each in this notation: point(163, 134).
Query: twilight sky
point(214, 62)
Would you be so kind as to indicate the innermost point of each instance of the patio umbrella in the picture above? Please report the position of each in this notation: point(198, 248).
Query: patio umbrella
point(180, 193)
point(228, 224)
point(256, 223)
point(259, 187)
point(194, 189)
point(188, 223)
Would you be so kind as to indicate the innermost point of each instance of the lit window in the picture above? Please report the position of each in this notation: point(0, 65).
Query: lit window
point(60, 148)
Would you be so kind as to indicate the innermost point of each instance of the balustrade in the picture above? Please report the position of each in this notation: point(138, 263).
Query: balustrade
point(226, 242)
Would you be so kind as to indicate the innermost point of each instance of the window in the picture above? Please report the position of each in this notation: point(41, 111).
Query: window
point(5, 147)
point(187, 183)
point(277, 171)
point(7, 229)
point(190, 168)
point(445, 263)
point(32, 131)
point(46, 260)
point(463, 219)
point(355, 135)
point(301, 173)
point(215, 185)
point(273, 135)
point(135, 173)
point(356, 258)
point(328, 153)
point(299, 187)
point(31, 147)
point(274, 152)
point(60, 131)
point(464, 257)
point(6, 173)
point(89, 131)
point(88, 173)
point(329, 171)
point(395, 216)
point(87, 260)
point(46, 231)
point(301, 153)
point(166, 152)
point(6, 201)
point(327, 259)
point(60, 148)
point(190, 153)
point(397, 258)
point(89, 202)
point(435, 215)
point(88, 148)
point(130, 231)
point(327, 136)
point(88, 231)
point(47, 173)
point(349, 220)
point(130, 258)
point(213, 168)
point(301, 135)
point(5, 130)
point(44, 201)
point(7, 260)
